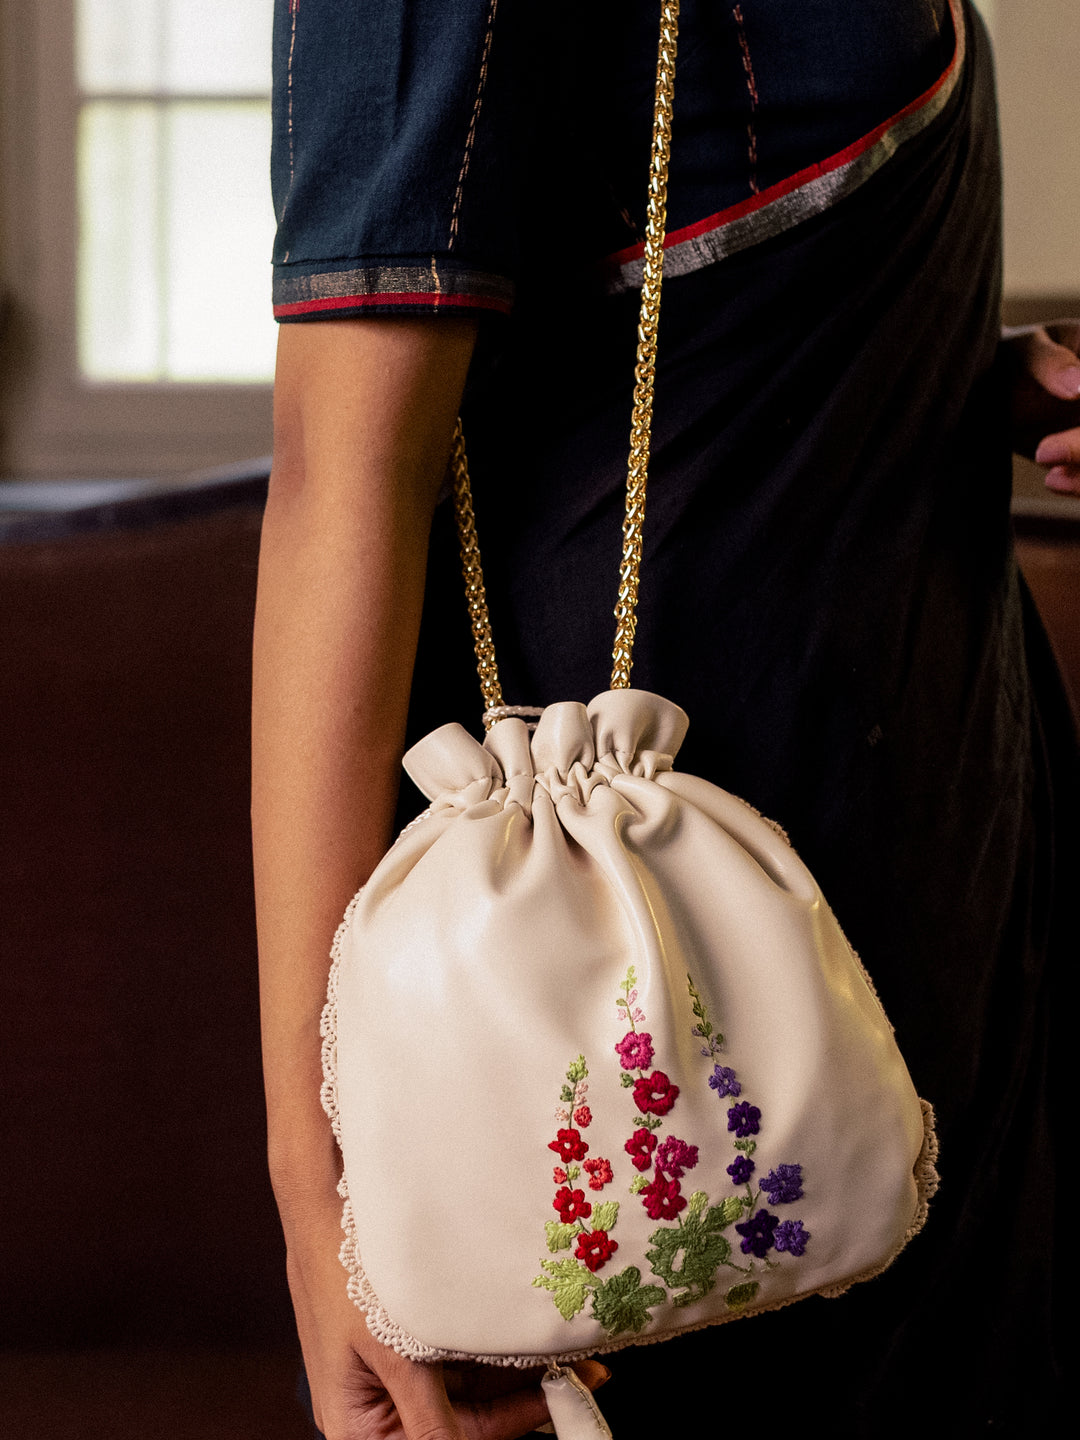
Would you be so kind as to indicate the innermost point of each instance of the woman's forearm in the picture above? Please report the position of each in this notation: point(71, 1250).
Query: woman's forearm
point(364, 412)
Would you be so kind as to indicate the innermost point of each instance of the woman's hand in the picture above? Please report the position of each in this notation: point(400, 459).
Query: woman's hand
point(361, 1390)
point(1045, 370)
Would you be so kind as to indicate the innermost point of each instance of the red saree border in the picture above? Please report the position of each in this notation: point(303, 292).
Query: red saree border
point(808, 192)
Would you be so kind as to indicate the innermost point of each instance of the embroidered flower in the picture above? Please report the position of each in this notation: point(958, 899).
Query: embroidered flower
point(571, 1205)
point(559, 1175)
point(562, 1116)
point(569, 1146)
point(743, 1118)
point(663, 1199)
point(655, 1095)
point(757, 1233)
point(599, 1173)
point(723, 1080)
point(635, 1050)
point(740, 1170)
point(595, 1248)
point(583, 1116)
point(640, 1147)
point(784, 1184)
point(790, 1236)
point(675, 1157)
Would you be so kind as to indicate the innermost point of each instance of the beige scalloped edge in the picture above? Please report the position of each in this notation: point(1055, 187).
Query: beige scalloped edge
point(386, 1330)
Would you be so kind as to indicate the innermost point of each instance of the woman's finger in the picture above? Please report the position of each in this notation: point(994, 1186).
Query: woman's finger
point(1050, 356)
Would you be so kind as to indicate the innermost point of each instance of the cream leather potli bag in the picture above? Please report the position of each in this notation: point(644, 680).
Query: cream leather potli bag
point(601, 1063)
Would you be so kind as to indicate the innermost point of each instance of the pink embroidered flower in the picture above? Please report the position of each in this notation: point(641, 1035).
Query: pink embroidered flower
point(663, 1199)
point(571, 1205)
point(654, 1095)
point(569, 1146)
point(635, 1050)
point(675, 1157)
point(583, 1116)
point(640, 1147)
point(559, 1175)
point(599, 1173)
point(595, 1248)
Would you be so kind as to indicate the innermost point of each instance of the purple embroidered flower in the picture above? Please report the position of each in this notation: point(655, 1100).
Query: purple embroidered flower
point(675, 1157)
point(790, 1236)
point(740, 1169)
point(743, 1118)
point(784, 1184)
point(640, 1147)
point(723, 1080)
point(663, 1199)
point(757, 1233)
point(635, 1050)
point(655, 1094)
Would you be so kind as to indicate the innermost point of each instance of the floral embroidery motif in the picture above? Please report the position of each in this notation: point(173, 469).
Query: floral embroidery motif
point(689, 1248)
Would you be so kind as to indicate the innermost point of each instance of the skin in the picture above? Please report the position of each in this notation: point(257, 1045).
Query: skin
point(364, 414)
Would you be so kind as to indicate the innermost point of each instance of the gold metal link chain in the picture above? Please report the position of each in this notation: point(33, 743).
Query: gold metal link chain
point(640, 425)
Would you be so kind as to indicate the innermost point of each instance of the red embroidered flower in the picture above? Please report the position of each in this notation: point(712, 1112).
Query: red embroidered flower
point(583, 1116)
point(571, 1205)
point(595, 1248)
point(663, 1198)
point(675, 1157)
point(559, 1175)
point(570, 1146)
point(640, 1147)
point(599, 1173)
point(654, 1094)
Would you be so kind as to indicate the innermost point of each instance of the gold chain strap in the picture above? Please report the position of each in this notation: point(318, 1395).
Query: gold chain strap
point(645, 369)
point(475, 595)
point(640, 425)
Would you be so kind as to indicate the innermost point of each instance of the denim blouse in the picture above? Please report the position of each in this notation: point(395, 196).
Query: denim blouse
point(455, 153)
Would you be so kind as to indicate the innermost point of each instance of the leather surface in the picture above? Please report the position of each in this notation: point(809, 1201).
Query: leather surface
point(487, 952)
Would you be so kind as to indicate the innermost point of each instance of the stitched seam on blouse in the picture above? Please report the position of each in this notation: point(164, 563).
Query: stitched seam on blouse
point(294, 7)
point(751, 85)
point(471, 136)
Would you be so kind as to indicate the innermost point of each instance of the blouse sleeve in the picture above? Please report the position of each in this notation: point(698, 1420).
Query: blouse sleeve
point(393, 178)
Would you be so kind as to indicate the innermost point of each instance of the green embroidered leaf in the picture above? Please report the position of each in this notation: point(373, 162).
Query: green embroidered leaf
point(573, 1172)
point(566, 1095)
point(577, 1071)
point(626, 1079)
point(623, 1303)
point(696, 1204)
point(727, 1212)
point(569, 1283)
point(605, 1215)
point(631, 978)
point(559, 1236)
point(746, 1146)
point(647, 1122)
point(638, 1184)
point(740, 1295)
point(689, 1255)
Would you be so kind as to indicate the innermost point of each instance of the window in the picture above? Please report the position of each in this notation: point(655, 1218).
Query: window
point(136, 335)
point(174, 215)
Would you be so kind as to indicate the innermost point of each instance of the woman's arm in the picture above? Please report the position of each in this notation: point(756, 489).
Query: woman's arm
point(364, 413)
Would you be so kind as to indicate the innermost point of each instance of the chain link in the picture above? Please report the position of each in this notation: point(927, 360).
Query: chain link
point(475, 595)
point(640, 425)
point(645, 368)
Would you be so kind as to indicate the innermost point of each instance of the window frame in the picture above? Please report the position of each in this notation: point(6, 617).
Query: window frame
point(53, 421)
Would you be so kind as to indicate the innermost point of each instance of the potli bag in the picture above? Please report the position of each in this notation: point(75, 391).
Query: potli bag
point(601, 1063)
